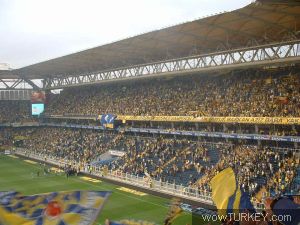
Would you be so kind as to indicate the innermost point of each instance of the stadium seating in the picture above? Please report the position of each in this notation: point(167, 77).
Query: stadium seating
point(250, 93)
point(14, 111)
point(261, 169)
point(181, 161)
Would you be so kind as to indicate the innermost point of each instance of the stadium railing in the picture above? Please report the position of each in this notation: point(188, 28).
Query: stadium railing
point(135, 180)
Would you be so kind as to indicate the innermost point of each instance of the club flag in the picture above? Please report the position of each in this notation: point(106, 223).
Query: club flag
point(107, 120)
point(56, 208)
point(227, 194)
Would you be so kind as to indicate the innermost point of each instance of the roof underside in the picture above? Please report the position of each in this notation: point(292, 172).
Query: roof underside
point(257, 23)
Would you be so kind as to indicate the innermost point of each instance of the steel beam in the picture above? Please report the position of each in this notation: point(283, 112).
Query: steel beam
point(3, 84)
point(32, 84)
point(20, 83)
point(262, 55)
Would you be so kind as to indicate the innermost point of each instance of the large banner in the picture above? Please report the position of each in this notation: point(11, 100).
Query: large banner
point(250, 120)
point(245, 120)
point(218, 135)
point(158, 118)
point(187, 133)
point(72, 207)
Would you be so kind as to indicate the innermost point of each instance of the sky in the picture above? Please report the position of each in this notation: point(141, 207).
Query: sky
point(33, 31)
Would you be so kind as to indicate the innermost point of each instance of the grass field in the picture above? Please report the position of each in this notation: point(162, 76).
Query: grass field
point(16, 174)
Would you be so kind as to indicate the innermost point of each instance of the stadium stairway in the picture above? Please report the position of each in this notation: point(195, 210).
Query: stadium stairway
point(104, 159)
point(214, 154)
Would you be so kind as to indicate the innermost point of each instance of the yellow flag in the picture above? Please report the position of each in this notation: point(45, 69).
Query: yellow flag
point(223, 187)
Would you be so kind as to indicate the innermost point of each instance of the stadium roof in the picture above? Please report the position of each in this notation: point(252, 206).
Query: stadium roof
point(260, 22)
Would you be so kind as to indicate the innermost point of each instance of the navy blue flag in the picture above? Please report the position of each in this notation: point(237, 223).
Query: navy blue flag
point(107, 119)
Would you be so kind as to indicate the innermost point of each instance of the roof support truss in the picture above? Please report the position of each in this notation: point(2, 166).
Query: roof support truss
point(32, 84)
point(284, 52)
point(13, 84)
point(9, 84)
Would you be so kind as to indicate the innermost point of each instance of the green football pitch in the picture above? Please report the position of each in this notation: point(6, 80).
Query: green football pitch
point(18, 175)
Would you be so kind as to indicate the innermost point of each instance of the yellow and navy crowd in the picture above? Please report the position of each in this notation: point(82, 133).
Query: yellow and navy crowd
point(244, 94)
point(262, 170)
point(241, 94)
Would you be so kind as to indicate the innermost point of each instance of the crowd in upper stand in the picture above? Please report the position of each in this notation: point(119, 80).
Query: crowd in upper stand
point(250, 93)
point(14, 111)
point(181, 161)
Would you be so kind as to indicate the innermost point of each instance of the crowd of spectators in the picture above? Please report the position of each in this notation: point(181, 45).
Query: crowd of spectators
point(248, 93)
point(150, 155)
point(68, 144)
point(181, 161)
point(144, 155)
point(283, 178)
point(14, 111)
point(257, 168)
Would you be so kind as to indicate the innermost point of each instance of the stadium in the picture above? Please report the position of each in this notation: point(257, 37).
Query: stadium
point(176, 124)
